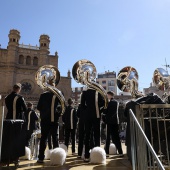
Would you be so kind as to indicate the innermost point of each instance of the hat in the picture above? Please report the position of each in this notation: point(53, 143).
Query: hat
point(17, 85)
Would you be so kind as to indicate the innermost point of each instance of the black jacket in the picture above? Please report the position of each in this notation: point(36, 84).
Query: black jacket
point(88, 103)
point(111, 113)
point(70, 120)
point(20, 106)
point(81, 113)
point(31, 118)
point(44, 106)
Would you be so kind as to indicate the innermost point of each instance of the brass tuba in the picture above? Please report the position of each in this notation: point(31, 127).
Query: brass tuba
point(161, 79)
point(47, 77)
point(84, 72)
point(127, 81)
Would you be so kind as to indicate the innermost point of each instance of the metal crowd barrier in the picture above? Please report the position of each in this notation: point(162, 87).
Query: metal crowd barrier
point(155, 120)
point(143, 154)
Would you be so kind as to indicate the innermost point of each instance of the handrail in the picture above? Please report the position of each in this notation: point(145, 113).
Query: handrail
point(150, 148)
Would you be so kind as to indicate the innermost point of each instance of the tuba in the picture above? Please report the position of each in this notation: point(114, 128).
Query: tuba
point(47, 78)
point(161, 79)
point(84, 72)
point(127, 81)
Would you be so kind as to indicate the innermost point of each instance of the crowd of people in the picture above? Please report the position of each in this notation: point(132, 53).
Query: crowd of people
point(84, 120)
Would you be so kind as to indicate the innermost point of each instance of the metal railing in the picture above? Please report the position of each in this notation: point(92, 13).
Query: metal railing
point(155, 121)
point(143, 154)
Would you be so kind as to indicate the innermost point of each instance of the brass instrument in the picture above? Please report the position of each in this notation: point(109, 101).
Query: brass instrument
point(84, 72)
point(34, 144)
point(127, 81)
point(161, 79)
point(47, 77)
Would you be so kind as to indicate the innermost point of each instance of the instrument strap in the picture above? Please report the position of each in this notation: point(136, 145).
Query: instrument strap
point(117, 112)
point(14, 107)
point(97, 106)
point(29, 119)
point(52, 108)
point(71, 120)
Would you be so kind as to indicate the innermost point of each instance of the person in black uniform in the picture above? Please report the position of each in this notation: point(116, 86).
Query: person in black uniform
point(50, 137)
point(70, 120)
point(81, 130)
point(16, 107)
point(31, 119)
point(91, 101)
point(15, 104)
point(112, 124)
point(47, 105)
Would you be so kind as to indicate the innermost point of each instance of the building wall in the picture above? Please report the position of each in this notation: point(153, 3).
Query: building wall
point(18, 65)
point(108, 81)
point(76, 94)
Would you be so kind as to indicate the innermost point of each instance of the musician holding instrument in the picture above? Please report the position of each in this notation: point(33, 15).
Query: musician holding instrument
point(112, 124)
point(92, 100)
point(47, 77)
point(47, 105)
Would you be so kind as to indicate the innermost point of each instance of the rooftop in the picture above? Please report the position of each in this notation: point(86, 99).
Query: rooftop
point(29, 46)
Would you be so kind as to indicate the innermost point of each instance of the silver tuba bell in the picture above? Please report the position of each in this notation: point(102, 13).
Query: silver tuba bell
point(47, 77)
point(161, 79)
point(127, 81)
point(84, 72)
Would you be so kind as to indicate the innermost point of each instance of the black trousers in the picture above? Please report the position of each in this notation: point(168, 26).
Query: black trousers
point(91, 124)
point(113, 131)
point(29, 133)
point(73, 138)
point(46, 128)
point(81, 137)
point(49, 141)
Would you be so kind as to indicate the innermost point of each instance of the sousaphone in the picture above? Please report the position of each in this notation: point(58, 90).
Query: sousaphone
point(47, 78)
point(84, 72)
point(127, 81)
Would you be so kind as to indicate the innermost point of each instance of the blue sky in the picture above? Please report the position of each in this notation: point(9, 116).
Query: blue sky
point(111, 33)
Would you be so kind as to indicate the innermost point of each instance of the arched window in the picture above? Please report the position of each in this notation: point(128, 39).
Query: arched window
point(28, 60)
point(35, 61)
point(21, 59)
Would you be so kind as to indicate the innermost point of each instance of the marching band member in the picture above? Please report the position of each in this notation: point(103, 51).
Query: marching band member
point(47, 105)
point(112, 124)
point(31, 119)
point(15, 104)
point(16, 107)
point(70, 121)
point(91, 101)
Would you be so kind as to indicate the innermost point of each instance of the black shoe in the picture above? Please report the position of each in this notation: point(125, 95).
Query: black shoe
point(40, 161)
point(78, 157)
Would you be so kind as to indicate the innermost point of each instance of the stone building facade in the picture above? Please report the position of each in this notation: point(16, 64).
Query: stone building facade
point(108, 81)
point(19, 63)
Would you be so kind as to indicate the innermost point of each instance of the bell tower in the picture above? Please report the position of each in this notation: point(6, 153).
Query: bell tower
point(13, 44)
point(44, 49)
